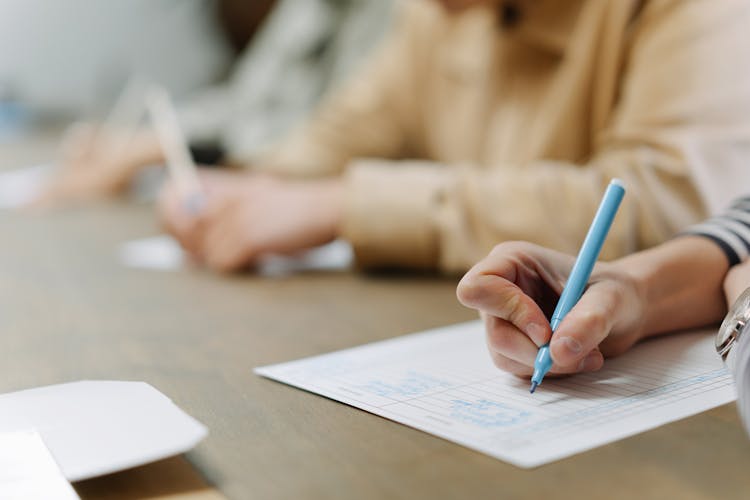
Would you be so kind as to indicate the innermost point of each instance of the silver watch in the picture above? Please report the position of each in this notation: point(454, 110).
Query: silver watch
point(732, 328)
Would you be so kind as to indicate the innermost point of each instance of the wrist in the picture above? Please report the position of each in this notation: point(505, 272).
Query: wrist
point(631, 300)
point(736, 282)
point(679, 284)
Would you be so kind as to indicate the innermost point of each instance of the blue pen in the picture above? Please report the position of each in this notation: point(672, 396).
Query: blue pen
point(579, 276)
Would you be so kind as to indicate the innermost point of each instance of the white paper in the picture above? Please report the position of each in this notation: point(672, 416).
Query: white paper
point(443, 382)
point(165, 254)
point(334, 256)
point(94, 428)
point(159, 253)
point(28, 471)
point(22, 186)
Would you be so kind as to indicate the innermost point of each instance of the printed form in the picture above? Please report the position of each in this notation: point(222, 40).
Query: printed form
point(443, 382)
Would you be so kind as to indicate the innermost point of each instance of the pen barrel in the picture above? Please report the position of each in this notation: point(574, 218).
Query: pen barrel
point(542, 364)
point(589, 253)
point(180, 163)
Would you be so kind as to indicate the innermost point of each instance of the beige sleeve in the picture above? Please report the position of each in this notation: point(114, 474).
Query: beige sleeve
point(367, 117)
point(684, 98)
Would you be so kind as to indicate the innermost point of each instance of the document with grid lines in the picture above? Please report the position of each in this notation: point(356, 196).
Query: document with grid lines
point(443, 382)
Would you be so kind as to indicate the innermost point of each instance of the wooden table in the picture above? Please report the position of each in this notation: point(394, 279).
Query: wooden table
point(70, 311)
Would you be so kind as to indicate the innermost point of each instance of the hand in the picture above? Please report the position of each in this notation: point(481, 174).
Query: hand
point(516, 289)
point(736, 281)
point(248, 216)
point(95, 163)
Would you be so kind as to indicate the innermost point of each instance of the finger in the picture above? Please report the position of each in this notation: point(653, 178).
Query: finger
point(515, 282)
point(220, 184)
point(168, 210)
point(509, 365)
point(77, 140)
point(586, 325)
point(183, 226)
point(219, 247)
point(504, 338)
point(225, 247)
point(497, 296)
point(217, 232)
point(591, 362)
point(60, 190)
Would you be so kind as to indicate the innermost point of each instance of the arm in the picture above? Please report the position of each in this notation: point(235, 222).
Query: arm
point(731, 232)
point(96, 163)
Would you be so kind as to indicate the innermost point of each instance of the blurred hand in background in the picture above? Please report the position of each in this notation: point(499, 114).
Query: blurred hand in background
point(247, 216)
point(99, 162)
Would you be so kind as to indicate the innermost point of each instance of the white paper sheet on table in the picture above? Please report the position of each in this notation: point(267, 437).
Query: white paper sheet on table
point(28, 471)
point(21, 186)
point(165, 254)
point(443, 382)
point(98, 427)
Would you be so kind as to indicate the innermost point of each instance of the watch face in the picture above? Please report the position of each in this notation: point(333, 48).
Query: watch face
point(733, 323)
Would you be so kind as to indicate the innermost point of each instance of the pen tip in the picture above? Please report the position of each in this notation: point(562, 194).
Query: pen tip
point(533, 387)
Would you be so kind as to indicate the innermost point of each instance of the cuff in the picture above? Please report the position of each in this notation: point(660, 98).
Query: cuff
point(390, 213)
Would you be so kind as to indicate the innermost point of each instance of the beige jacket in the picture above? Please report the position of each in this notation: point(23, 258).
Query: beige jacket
point(518, 129)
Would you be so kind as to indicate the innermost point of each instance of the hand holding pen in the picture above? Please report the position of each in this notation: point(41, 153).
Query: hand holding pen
point(224, 219)
point(517, 287)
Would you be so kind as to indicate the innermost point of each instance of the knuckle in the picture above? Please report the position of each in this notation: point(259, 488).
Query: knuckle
point(510, 248)
point(615, 297)
point(514, 307)
point(592, 321)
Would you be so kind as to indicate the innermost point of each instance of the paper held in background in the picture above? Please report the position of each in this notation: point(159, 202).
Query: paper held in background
point(165, 254)
point(444, 383)
point(93, 428)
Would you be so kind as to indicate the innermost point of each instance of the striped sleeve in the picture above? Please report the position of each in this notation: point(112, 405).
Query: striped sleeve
point(730, 230)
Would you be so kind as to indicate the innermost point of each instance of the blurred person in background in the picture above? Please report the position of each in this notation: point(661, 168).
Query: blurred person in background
point(481, 121)
point(293, 51)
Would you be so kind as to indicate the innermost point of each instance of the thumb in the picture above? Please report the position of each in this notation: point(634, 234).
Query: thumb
point(585, 327)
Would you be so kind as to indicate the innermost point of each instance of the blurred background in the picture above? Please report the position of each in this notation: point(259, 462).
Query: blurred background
point(63, 59)
point(242, 71)
point(70, 57)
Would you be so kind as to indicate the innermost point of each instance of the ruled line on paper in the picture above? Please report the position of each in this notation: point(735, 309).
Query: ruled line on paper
point(443, 382)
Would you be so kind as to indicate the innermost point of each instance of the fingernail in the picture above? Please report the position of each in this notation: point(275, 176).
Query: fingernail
point(570, 344)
